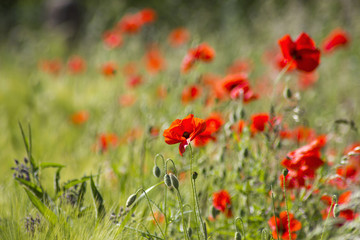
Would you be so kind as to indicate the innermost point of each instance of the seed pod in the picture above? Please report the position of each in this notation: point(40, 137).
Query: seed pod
point(156, 171)
point(167, 180)
point(174, 181)
point(194, 175)
point(131, 200)
point(237, 236)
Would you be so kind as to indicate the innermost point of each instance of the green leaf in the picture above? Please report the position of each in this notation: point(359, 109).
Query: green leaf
point(56, 181)
point(28, 147)
point(32, 187)
point(98, 200)
point(82, 192)
point(51, 165)
point(45, 211)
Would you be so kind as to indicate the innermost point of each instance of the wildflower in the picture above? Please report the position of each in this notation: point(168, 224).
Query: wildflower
point(183, 131)
point(130, 24)
point(203, 52)
point(190, 93)
point(51, 66)
point(307, 80)
point(109, 69)
point(213, 125)
point(155, 62)
point(147, 15)
point(345, 214)
point(178, 37)
point(134, 81)
point(258, 122)
point(337, 38)
point(281, 225)
point(76, 65)
point(240, 66)
point(80, 117)
point(222, 202)
point(302, 53)
point(127, 100)
point(237, 86)
point(112, 39)
point(106, 140)
point(160, 218)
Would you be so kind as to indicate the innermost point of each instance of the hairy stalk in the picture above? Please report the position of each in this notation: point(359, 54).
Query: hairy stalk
point(152, 212)
point(242, 224)
point(287, 208)
point(273, 203)
point(277, 80)
point(182, 215)
point(327, 217)
point(165, 192)
point(194, 197)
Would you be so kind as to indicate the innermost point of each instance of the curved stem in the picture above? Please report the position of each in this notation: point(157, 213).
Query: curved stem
point(195, 198)
point(287, 209)
point(182, 215)
point(242, 224)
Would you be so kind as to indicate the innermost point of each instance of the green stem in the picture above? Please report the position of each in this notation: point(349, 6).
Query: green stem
point(273, 202)
point(242, 224)
point(287, 209)
point(327, 217)
point(277, 80)
point(182, 215)
point(195, 199)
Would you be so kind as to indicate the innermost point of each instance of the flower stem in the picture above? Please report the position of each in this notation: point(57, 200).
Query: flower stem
point(182, 215)
point(273, 202)
point(287, 208)
point(327, 217)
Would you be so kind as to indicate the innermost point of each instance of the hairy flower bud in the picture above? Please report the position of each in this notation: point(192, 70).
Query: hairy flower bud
point(174, 181)
point(167, 180)
point(237, 236)
point(131, 200)
point(194, 175)
point(156, 171)
point(285, 172)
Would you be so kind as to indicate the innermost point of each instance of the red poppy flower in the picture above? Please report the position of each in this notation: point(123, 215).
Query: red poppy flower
point(183, 131)
point(222, 202)
point(134, 81)
point(178, 37)
point(344, 198)
point(51, 66)
point(106, 140)
point(161, 92)
point(337, 38)
point(258, 122)
point(79, 117)
point(112, 39)
point(213, 125)
point(76, 64)
point(302, 53)
point(190, 93)
point(293, 180)
point(281, 223)
point(203, 52)
point(130, 23)
point(127, 100)
point(240, 66)
point(237, 85)
point(155, 62)
point(109, 69)
point(129, 69)
point(147, 15)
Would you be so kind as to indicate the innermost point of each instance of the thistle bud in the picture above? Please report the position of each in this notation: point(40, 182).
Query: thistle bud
point(131, 200)
point(156, 171)
point(194, 175)
point(285, 172)
point(167, 180)
point(174, 181)
point(237, 236)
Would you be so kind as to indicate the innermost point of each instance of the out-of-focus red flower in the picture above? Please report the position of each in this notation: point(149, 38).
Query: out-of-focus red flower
point(276, 59)
point(240, 66)
point(161, 92)
point(127, 100)
point(258, 122)
point(281, 223)
point(294, 179)
point(147, 15)
point(160, 218)
point(237, 86)
point(299, 134)
point(336, 38)
point(344, 198)
point(129, 69)
point(203, 52)
point(353, 151)
point(183, 131)
point(107, 139)
point(190, 93)
point(113, 39)
point(302, 53)
point(134, 81)
point(109, 69)
point(80, 117)
point(51, 66)
point(154, 60)
point(213, 125)
point(222, 202)
point(307, 80)
point(76, 65)
point(178, 37)
point(154, 131)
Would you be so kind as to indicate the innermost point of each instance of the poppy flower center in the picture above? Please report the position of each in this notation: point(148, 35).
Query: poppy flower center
point(186, 135)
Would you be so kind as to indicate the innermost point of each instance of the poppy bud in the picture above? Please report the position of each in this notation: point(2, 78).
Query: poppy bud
point(190, 232)
point(335, 210)
point(214, 212)
point(131, 200)
point(285, 172)
point(246, 153)
point(242, 114)
point(194, 175)
point(156, 171)
point(167, 180)
point(287, 93)
point(174, 181)
point(237, 236)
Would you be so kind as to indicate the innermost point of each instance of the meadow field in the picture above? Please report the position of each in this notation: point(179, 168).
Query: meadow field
point(220, 125)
